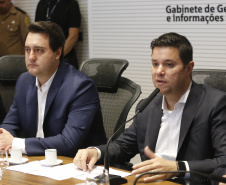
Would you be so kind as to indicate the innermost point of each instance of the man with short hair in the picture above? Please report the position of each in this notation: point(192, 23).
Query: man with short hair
point(183, 128)
point(55, 105)
point(13, 29)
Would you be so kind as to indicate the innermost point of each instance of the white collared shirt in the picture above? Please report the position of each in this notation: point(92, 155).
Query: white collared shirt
point(42, 92)
point(42, 95)
point(168, 138)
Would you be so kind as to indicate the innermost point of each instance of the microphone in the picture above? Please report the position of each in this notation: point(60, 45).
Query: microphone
point(148, 100)
point(115, 179)
point(212, 177)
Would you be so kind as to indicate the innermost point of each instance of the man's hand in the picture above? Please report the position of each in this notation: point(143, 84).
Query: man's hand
point(85, 156)
point(6, 139)
point(154, 164)
point(221, 183)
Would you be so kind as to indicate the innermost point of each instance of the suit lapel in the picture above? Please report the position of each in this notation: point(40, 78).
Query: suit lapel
point(154, 123)
point(195, 97)
point(32, 108)
point(56, 84)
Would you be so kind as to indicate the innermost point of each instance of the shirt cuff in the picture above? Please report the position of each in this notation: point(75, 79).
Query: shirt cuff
point(187, 175)
point(98, 150)
point(19, 143)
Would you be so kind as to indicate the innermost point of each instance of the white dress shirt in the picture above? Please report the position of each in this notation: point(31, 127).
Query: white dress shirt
point(168, 138)
point(42, 92)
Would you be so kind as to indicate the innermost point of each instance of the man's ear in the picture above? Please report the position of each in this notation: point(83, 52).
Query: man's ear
point(58, 53)
point(189, 67)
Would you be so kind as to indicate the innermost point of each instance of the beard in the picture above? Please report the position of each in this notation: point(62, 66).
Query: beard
point(5, 9)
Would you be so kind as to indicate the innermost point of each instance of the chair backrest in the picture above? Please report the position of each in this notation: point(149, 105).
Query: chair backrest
point(105, 72)
point(11, 67)
point(116, 95)
point(213, 77)
point(116, 106)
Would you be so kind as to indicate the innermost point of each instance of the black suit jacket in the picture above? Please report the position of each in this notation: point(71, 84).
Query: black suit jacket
point(202, 140)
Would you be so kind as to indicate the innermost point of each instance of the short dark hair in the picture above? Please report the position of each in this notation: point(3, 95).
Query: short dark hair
point(55, 33)
point(177, 41)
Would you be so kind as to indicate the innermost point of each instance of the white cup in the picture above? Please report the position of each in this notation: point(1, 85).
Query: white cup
point(16, 154)
point(51, 156)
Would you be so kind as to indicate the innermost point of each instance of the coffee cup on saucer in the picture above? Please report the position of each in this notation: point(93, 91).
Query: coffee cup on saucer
point(50, 156)
point(16, 155)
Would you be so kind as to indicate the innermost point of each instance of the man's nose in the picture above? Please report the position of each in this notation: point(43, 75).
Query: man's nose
point(160, 70)
point(32, 56)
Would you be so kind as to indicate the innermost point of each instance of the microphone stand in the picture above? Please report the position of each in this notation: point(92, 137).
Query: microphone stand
point(114, 179)
point(106, 161)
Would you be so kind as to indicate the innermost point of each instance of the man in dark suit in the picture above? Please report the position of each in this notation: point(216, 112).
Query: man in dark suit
point(183, 128)
point(55, 105)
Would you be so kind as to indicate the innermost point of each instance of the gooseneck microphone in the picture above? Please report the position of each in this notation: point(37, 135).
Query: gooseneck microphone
point(148, 100)
point(118, 179)
point(212, 177)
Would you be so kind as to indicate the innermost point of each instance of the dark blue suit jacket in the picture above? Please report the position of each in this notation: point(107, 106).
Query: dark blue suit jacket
point(72, 118)
point(202, 140)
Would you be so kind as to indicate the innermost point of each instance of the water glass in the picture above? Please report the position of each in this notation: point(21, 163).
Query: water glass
point(94, 178)
point(4, 163)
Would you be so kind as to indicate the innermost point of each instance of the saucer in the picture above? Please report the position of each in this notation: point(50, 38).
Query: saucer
point(43, 162)
point(24, 160)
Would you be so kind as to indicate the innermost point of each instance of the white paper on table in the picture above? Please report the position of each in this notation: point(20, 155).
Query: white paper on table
point(27, 167)
point(118, 172)
point(99, 170)
point(60, 172)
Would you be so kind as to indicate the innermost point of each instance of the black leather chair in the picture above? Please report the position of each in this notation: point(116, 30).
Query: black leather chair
point(117, 94)
point(213, 77)
point(11, 67)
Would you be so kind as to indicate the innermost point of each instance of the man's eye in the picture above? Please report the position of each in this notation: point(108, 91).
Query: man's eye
point(169, 65)
point(155, 64)
point(39, 50)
